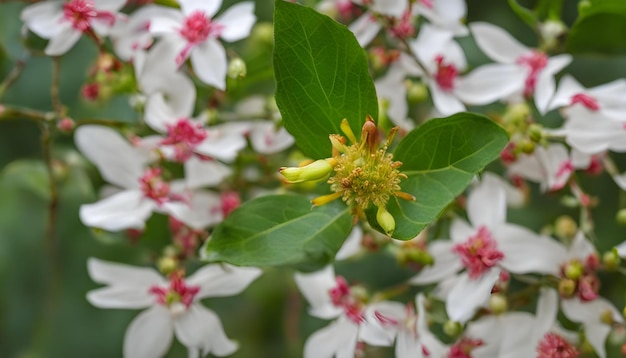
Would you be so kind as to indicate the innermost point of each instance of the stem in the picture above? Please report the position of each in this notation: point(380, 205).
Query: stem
point(54, 89)
point(12, 112)
point(12, 77)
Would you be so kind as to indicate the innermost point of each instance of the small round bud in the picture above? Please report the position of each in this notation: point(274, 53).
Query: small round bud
point(567, 287)
point(385, 220)
point(237, 68)
point(611, 260)
point(416, 92)
point(516, 113)
point(498, 303)
point(607, 317)
point(167, 264)
point(419, 256)
point(620, 217)
point(66, 125)
point(263, 33)
point(573, 270)
point(535, 132)
point(452, 329)
point(526, 146)
point(565, 227)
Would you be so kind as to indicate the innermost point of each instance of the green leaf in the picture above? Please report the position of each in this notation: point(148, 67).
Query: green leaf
point(280, 230)
point(525, 14)
point(29, 175)
point(599, 28)
point(321, 77)
point(440, 158)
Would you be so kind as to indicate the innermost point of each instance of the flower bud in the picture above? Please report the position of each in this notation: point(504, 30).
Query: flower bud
point(416, 92)
point(316, 171)
point(498, 303)
point(385, 220)
point(620, 217)
point(567, 287)
point(419, 256)
point(263, 33)
point(611, 260)
point(565, 227)
point(535, 132)
point(237, 68)
point(66, 125)
point(573, 270)
point(167, 264)
point(452, 329)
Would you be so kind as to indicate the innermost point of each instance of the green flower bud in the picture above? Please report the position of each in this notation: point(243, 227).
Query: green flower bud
point(452, 329)
point(565, 227)
point(498, 303)
point(620, 217)
point(167, 264)
point(416, 92)
point(611, 260)
point(385, 220)
point(567, 287)
point(237, 68)
point(316, 171)
point(574, 270)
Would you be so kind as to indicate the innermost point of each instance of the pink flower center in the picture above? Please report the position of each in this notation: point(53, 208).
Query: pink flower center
point(154, 187)
point(342, 296)
point(177, 292)
point(197, 27)
point(81, 12)
point(554, 346)
point(185, 137)
point(586, 100)
point(464, 347)
point(479, 253)
point(587, 282)
point(404, 28)
point(426, 3)
point(536, 61)
point(446, 74)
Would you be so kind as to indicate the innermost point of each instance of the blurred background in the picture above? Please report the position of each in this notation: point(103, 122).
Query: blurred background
point(43, 310)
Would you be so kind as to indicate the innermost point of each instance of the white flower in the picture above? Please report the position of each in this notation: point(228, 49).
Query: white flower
point(172, 306)
point(367, 26)
point(63, 23)
point(331, 297)
point(485, 249)
point(445, 14)
point(143, 190)
point(526, 70)
point(196, 33)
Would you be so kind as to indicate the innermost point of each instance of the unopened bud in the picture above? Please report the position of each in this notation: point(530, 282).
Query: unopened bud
point(316, 171)
point(498, 303)
point(416, 92)
point(611, 260)
point(237, 68)
point(574, 270)
point(263, 33)
point(419, 256)
point(452, 329)
point(516, 113)
point(535, 132)
point(526, 146)
point(567, 287)
point(167, 264)
point(66, 125)
point(385, 220)
point(565, 227)
point(620, 217)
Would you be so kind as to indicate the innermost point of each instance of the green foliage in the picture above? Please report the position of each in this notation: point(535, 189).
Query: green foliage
point(599, 28)
point(321, 77)
point(279, 230)
point(525, 14)
point(440, 158)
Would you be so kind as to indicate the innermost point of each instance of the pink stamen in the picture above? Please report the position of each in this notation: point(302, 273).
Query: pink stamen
point(404, 28)
point(385, 320)
point(178, 291)
point(341, 296)
point(427, 3)
point(81, 12)
point(340, 292)
point(446, 74)
point(536, 61)
point(554, 346)
point(479, 253)
point(197, 27)
point(464, 347)
point(154, 187)
point(185, 137)
point(586, 100)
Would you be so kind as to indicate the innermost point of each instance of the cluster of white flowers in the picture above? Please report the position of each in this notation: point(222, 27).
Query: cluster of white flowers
point(470, 269)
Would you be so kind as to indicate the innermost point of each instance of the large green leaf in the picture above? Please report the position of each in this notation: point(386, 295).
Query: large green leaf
point(599, 28)
point(281, 230)
point(440, 158)
point(321, 77)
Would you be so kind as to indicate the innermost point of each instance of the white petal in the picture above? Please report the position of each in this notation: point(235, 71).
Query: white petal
point(496, 43)
point(113, 273)
point(125, 210)
point(469, 294)
point(149, 335)
point(109, 5)
point(430, 43)
point(237, 21)
point(596, 335)
point(352, 245)
point(486, 205)
point(266, 139)
point(337, 340)
point(407, 346)
point(447, 263)
point(621, 249)
point(200, 328)
point(121, 297)
point(377, 333)
point(460, 231)
point(524, 251)
point(208, 7)
point(445, 102)
point(209, 63)
point(568, 87)
point(545, 87)
point(314, 287)
point(202, 210)
point(118, 162)
point(581, 248)
point(489, 83)
point(547, 308)
point(200, 173)
point(221, 144)
point(589, 312)
point(62, 41)
point(222, 280)
point(365, 28)
point(43, 18)
point(393, 8)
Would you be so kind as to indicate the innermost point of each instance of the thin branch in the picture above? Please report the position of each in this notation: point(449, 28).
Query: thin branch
point(12, 77)
point(54, 89)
